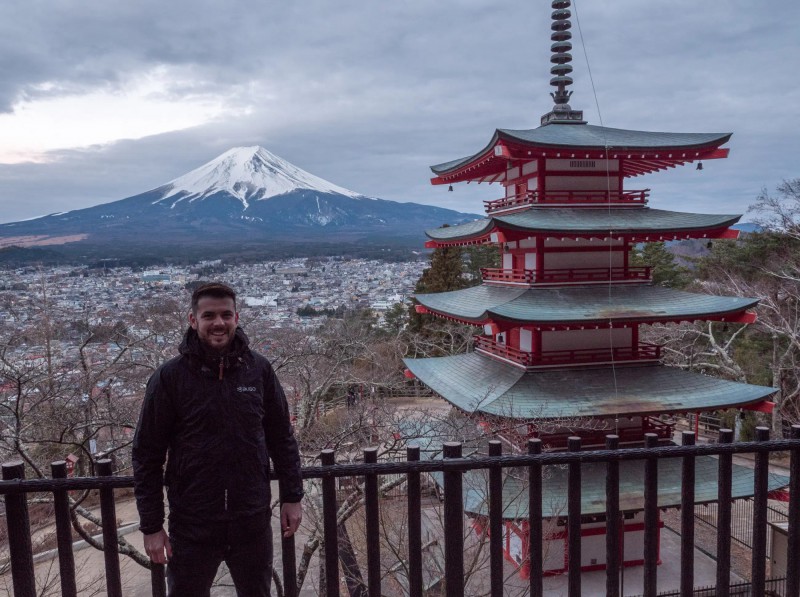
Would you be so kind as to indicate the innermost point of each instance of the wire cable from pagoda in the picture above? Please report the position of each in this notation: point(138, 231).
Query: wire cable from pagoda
point(608, 204)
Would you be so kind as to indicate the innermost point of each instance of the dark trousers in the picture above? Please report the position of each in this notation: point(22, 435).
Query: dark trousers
point(245, 546)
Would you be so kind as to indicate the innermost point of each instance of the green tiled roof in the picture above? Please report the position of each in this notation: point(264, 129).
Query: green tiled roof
point(580, 304)
point(593, 137)
point(477, 383)
point(593, 492)
point(641, 220)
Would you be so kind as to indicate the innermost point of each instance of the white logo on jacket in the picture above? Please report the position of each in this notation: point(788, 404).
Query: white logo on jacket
point(246, 389)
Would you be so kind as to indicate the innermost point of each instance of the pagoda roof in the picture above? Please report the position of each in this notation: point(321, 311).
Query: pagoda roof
point(571, 221)
point(643, 151)
point(580, 304)
point(593, 487)
point(479, 384)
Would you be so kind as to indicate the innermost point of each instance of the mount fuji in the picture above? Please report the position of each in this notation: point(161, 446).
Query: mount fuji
point(247, 198)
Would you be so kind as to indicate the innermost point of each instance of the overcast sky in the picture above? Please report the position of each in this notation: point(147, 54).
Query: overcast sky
point(103, 99)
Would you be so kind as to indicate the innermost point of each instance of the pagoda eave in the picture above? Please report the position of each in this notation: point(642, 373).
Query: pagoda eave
point(505, 324)
point(477, 384)
point(637, 224)
point(639, 152)
point(582, 306)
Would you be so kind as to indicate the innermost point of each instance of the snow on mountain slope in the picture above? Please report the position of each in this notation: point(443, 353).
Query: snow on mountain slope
point(249, 174)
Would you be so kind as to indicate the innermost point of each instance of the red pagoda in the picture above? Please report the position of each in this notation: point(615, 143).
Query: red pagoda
point(560, 347)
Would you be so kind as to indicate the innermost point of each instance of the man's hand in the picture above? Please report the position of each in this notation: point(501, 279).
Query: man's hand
point(155, 544)
point(291, 515)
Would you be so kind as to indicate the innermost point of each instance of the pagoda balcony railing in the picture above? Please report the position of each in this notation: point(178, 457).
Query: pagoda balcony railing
point(573, 275)
point(579, 356)
point(627, 435)
point(415, 471)
point(529, 198)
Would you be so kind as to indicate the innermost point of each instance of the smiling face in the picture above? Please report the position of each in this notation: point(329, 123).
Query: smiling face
point(215, 320)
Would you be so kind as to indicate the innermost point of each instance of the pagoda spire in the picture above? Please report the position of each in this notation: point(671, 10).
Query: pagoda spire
point(562, 112)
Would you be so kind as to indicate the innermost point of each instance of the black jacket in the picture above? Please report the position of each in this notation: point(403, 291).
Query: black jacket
point(219, 420)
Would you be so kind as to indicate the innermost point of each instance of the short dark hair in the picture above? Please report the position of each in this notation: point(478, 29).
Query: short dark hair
point(214, 290)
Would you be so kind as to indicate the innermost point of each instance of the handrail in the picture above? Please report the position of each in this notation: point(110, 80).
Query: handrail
point(643, 352)
point(14, 487)
point(528, 198)
point(567, 275)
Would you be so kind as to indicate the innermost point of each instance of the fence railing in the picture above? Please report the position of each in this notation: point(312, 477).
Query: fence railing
point(574, 275)
point(549, 358)
point(592, 198)
point(450, 470)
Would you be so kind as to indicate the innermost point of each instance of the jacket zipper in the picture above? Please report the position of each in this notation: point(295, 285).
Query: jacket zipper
point(221, 374)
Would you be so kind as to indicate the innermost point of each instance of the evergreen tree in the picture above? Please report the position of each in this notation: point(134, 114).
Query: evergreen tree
point(666, 272)
point(445, 273)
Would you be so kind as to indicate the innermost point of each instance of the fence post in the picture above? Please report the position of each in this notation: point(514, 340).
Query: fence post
point(66, 559)
point(574, 521)
point(651, 530)
point(108, 514)
point(687, 517)
point(612, 520)
point(372, 525)
point(289, 564)
point(760, 491)
point(414, 525)
point(453, 525)
point(330, 528)
point(19, 534)
point(724, 490)
point(793, 551)
point(496, 521)
point(535, 538)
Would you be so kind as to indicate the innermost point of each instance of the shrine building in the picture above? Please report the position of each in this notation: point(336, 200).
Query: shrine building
point(558, 351)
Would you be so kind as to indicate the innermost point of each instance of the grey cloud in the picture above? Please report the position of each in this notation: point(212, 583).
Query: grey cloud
point(369, 94)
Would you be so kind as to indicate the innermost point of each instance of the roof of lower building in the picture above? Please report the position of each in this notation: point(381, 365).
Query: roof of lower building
point(608, 222)
point(593, 487)
point(580, 304)
point(479, 384)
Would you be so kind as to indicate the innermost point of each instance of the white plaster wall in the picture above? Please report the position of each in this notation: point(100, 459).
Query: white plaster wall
point(530, 261)
point(600, 258)
point(577, 339)
point(512, 173)
point(507, 260)
point(525, 340)
point(530, 168)
point(553, 554)
point(581, 183)
point(593, 550)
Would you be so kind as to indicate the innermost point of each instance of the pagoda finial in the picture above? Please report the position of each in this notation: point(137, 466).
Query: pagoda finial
point(561, 58)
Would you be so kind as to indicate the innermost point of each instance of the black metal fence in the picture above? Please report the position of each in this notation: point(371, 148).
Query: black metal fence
point(452, 467)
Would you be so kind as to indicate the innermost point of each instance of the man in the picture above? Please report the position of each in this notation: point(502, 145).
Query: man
point(216, 414)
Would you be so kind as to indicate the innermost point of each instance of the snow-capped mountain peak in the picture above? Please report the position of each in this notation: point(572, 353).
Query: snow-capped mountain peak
point(249, 174)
